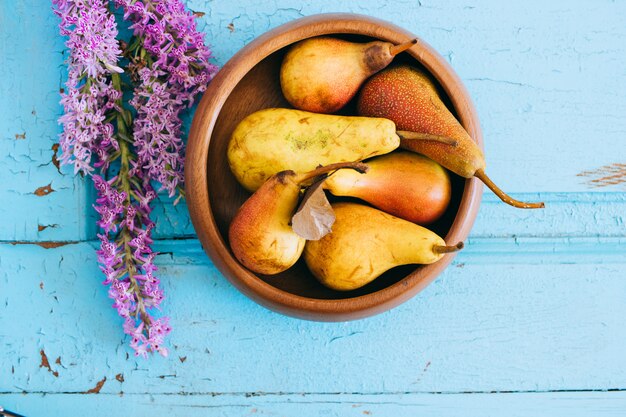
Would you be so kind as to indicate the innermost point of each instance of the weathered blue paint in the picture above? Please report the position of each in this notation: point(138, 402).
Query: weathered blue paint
point(566, 404)
point(535, 304)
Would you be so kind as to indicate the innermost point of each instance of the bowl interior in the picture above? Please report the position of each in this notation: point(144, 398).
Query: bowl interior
point(260, 89)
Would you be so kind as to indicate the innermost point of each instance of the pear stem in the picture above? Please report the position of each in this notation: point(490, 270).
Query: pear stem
point(408, 135)
point(448, 249)
point(357, 166)
point(480, 174)
point(396, 49)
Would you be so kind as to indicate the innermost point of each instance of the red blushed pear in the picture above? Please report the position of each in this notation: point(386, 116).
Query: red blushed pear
point(409, 98)
point(323, 74)
point(405, 184)
point(260, 234)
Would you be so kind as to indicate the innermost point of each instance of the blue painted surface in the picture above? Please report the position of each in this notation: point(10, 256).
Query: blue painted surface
point(533, 306)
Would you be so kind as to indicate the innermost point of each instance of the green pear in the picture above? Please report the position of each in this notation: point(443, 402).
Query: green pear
point(273, 140)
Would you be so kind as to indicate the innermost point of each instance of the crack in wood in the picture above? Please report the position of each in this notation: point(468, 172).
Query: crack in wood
point(44, 244)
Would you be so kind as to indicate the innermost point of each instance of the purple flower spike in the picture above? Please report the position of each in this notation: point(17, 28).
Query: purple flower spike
point(178, 70)
point(167, 63)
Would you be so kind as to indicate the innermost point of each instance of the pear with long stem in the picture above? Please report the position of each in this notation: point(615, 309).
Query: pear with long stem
point(409, 98)
point(260, 234)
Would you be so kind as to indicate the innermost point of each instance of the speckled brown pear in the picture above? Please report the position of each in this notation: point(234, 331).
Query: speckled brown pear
point(260, 234)
point(366, 242)
point(323, 74)
point(406, 184)
point(409, 98)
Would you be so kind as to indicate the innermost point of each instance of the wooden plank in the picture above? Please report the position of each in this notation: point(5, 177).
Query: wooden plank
point(561, 404)
point(588, 214)
point(508, 315)
point(548, 91)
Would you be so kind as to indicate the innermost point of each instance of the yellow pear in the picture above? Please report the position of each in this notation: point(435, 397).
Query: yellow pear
point(365, 242)
point(273, 140)
point(322, 74)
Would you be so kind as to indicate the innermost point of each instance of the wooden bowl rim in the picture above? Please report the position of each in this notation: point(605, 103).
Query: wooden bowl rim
point(198, 186)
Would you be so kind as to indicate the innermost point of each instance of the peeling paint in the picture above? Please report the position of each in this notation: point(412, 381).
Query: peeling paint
point(20, 136)
point(42, 227)
point(231, 27)
point(97, 388)
point(46, 364)
point(120, 377)
point(613, 174)
point(43, 191)
point(182, 359)
point(55, 159)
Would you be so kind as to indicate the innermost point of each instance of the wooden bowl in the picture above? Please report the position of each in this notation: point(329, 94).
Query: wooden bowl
point(249, 82)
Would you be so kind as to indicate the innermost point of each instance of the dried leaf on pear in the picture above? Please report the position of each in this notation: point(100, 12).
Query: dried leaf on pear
point(315, 217)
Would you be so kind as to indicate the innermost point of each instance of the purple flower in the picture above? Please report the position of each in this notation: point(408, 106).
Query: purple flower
point(178, 71)
point(127, 258)
point(94, 52)
point(123, 152)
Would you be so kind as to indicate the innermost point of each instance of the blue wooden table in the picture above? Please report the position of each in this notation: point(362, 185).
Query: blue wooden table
point(530, 319)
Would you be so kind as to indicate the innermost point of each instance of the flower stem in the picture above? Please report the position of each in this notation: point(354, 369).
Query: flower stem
point(123, 181)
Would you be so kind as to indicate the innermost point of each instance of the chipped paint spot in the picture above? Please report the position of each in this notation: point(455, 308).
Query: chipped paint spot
point(45, 190)
point(41, 285)
point(55, 158)
point(199, 14)
point(46, 364)
point(231, 27)
point(120, 377)
point(20, 136)
point(58, 361)
point(182, 359)
point(97, 388)
point(607, 175)
point(42, 227)
point(367, 413)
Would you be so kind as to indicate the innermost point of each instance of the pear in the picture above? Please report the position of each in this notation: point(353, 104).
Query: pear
point(323, 74)
point(260, 234)
point(273, 140)
point(405, 184)
point(407, 96)
point(365, 242)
